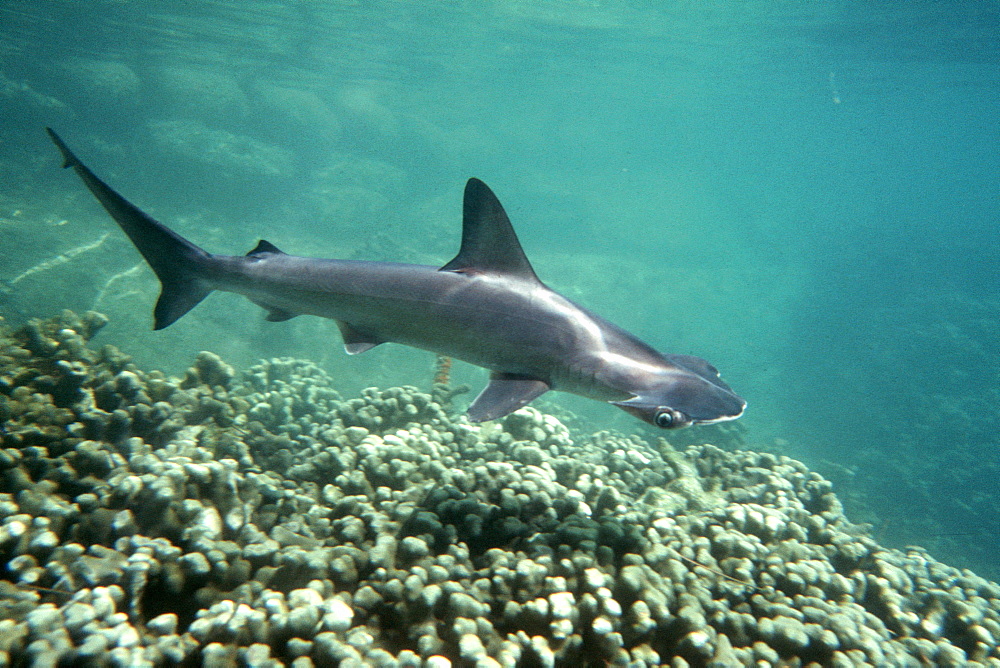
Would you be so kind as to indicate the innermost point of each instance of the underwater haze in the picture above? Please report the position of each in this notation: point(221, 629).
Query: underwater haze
point(806, 194)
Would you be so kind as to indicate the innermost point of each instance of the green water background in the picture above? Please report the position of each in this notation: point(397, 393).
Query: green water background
point(806, 194)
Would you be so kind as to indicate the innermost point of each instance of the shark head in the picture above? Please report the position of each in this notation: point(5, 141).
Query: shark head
point(687, 392)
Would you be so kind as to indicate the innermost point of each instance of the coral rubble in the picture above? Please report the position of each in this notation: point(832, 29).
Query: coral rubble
point(260, 518)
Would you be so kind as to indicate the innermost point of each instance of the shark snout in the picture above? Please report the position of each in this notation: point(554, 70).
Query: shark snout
point(686, 399)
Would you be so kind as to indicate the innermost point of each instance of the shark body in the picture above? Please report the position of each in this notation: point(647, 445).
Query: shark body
point(486, 307)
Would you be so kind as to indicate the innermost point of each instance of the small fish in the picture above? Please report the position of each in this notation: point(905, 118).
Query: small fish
point(486, 307)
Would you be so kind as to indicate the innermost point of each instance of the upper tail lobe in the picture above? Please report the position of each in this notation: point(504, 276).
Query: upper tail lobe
point(181, 266)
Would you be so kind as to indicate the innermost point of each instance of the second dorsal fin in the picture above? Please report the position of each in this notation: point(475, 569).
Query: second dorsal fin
point(265, 247)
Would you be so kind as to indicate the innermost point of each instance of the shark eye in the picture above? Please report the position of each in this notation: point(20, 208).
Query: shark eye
point(664, 419)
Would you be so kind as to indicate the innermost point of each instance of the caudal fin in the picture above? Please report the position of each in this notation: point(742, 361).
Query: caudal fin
point(179, 264)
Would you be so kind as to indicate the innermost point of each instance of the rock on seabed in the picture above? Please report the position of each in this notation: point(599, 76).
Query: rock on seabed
point(258, 518)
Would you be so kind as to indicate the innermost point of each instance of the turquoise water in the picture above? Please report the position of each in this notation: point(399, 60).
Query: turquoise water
point(805, 194)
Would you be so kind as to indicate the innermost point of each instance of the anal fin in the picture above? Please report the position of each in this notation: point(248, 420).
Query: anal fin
point(356, 342)
point(274, 313)
point(278, 315)
point(504, 394)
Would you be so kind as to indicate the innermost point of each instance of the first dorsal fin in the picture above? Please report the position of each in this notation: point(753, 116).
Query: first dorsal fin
point(265, 247)
point(489, 244)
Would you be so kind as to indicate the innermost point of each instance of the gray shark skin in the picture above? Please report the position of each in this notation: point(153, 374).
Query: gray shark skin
point(486, 307)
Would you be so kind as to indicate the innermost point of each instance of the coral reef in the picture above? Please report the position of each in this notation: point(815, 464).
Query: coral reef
point(940, 454)
point(299, 109)
point(258, 517)
point(21, 98)
point(102, 86)
point(187, 90)
point(242, 155)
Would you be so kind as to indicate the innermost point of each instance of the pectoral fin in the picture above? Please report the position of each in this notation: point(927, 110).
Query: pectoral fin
point(356, 342)
point(504, 395)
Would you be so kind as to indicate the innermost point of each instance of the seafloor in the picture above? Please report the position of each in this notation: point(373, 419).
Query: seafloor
point(257, 518)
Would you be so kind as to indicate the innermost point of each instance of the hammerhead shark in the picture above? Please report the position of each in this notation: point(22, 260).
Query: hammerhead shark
point(486, 307)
